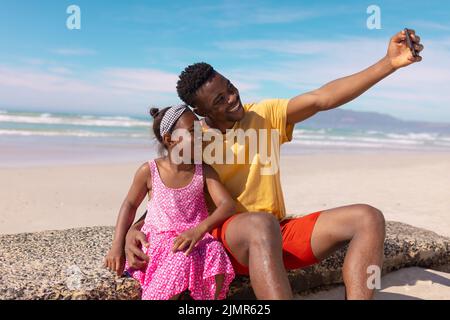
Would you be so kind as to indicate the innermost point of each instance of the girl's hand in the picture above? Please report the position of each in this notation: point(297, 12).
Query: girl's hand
point(188, 239)
point(115, 259)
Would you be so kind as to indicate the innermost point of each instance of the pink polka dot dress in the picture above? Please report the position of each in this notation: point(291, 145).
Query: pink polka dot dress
point(169, 213)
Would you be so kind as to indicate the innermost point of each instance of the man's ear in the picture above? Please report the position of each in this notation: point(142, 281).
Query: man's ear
point(199, 111)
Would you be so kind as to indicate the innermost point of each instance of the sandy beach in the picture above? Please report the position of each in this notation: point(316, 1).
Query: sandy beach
point(407, 187)
point(405, 284)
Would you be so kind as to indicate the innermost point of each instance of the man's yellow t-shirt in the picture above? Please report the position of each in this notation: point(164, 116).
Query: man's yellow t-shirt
point(255, 184)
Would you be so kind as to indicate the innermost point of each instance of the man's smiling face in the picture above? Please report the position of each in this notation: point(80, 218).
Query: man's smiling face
point(219, 100)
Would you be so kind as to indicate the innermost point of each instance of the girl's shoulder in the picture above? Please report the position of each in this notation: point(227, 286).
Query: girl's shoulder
point(158, 163)
point(143, 172)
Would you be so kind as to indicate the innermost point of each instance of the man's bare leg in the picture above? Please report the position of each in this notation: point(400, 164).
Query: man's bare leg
point(364, 227)
point(255, 241)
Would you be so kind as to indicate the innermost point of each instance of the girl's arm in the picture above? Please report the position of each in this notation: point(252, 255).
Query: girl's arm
point(225, 208)
point(225, 205)
point(138, 190)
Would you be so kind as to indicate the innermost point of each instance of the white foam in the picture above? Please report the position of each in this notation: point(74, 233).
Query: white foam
point(374, 132)
point(413, 136)
point(68, 133)
point(48, 119)
point(376, 140)
point(116, 118)
point(331, 138)
point(350, 144)
point(337, 144)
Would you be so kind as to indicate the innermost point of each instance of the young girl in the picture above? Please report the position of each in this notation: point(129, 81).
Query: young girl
point(182, 253)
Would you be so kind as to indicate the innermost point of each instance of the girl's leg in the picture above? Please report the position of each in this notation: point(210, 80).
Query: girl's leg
point(175, 297)
point(219, 283)
point(185, 295)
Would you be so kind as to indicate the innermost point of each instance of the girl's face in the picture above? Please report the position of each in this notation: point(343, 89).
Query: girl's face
point(186, 124)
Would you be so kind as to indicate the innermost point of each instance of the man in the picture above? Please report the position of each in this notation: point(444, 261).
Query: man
point(259, 240)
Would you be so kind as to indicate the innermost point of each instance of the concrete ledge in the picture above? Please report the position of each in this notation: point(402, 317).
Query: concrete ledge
point(68, 264)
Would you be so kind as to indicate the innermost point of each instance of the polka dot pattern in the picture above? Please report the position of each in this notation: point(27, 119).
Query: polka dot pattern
point(171, 212)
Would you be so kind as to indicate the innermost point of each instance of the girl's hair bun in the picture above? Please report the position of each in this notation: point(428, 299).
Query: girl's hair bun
point(154, 112)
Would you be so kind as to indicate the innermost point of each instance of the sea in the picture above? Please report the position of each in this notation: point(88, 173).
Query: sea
point(48, 138)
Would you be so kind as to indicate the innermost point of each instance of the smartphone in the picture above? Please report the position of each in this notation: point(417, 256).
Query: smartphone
point(410, 43)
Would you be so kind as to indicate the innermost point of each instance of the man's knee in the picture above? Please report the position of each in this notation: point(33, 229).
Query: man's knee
point(256, 226)
point(263, 227)
point(370, 217)
point(255, 229)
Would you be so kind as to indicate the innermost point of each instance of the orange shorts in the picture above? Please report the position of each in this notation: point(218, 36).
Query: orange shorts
point(296, 236)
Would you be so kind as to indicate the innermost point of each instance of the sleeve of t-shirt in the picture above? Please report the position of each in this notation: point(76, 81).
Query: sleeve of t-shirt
point(275, 111)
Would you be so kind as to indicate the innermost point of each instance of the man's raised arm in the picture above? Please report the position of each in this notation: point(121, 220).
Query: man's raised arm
point(343, 90)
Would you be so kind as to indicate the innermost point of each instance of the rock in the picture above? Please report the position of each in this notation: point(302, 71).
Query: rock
point(60, 265)
point(68, 264)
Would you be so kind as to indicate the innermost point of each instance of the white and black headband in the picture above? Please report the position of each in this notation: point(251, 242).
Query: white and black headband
point(170, 118)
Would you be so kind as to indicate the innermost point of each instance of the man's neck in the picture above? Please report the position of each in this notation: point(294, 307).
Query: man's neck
point(223, 126)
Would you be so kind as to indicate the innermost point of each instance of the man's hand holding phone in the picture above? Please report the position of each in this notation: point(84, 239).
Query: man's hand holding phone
point(404, 49)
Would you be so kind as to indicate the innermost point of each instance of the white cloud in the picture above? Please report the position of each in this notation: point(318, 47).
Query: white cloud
point(146, 80)
point(294, 67)
point(423, 24)
point(40, 81)
point(119, 90)
point(60, 70)
point(418, 91)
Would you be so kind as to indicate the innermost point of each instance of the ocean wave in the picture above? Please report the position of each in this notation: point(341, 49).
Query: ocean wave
point(413, 136)
point(48, 119)
point(337, 143)
point(71, 134)
point(319, 131)
point(352, 144)
point(309, 136)
point(371, 135)
point(85, 125)
point(116, 118)
point(356, 138)
point(374, 132)
point(371, 139)
point(377, 140)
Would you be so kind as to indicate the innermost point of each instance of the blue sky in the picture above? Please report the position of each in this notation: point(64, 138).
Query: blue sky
point(128, 54)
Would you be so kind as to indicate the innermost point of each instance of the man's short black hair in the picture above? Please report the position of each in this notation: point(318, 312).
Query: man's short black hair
point(191, 79)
